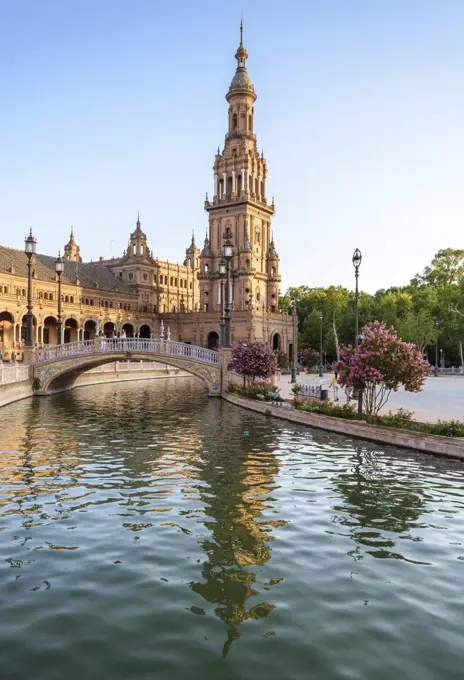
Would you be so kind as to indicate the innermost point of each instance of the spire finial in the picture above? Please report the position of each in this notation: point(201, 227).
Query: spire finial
point(241, 31)
point(72, 231)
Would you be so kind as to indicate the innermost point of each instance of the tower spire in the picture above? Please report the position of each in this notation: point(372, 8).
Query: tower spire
point(241, 31)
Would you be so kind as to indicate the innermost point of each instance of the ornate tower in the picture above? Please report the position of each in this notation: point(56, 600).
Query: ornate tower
point(240, 208)
point(72, 250)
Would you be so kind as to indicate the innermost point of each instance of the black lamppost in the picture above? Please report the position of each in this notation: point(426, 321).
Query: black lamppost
point(30, 246)
point(294, 340)
point(357, 259)
point(59, 326)
point(436, 348)
point(228, 252)
point(321, 373)
point(222, 273)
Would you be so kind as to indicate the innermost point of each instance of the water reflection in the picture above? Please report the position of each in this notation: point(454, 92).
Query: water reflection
point(176, 529)
point(238, 487)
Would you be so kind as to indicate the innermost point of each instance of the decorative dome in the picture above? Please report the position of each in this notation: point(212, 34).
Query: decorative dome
point(207, 247)
point(192, 247)
point(138, 233)
point(241, 79)
point(272, 249)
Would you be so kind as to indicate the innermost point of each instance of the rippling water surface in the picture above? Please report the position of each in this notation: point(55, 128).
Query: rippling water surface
point(147, 531)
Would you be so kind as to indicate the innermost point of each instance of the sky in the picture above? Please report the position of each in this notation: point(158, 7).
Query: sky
point(109, 107)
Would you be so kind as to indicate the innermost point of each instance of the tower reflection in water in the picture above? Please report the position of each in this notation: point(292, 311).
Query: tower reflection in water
point(236, 492)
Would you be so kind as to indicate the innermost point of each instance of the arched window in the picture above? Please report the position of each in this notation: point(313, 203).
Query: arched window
point(86, 301)
point(175, 282)
point(111, 304)
point(206, 268)
point(40, 294)
point(272, 271)
point(229, 185)
point(23, 292)
point(247, 264)
point(190, 262)
point(66, 298)
point(141, 248)
point(5, 290)
point(106, 303)
point(134, 249)
point(172, 281)
point(91, 302)
point(234, 121)
point(71, 299)
point(191, 285)
point(250, 123)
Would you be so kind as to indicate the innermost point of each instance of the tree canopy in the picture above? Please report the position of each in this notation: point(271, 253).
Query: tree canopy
point(429, 308)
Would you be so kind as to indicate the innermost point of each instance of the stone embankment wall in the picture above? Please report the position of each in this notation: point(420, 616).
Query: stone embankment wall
point(419, 441)
point(120, 371)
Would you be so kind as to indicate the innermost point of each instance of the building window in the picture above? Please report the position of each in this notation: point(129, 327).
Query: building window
point(191, 285)
point(50, 297)
point(23, 292)
point(71, 299)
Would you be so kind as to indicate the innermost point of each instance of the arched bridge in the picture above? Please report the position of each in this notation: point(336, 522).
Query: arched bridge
point(56, 368)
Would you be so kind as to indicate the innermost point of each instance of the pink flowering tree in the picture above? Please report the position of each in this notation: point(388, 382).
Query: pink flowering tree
point(380, 364)
point(253, 360)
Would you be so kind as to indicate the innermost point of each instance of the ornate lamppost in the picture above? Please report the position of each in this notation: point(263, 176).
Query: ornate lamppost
point(357, 259)
point(59, 264)
point(228, 252)
point(222, 273)
point(294, 340)
point(435, 370)
point(30, 246)
point(321, 372)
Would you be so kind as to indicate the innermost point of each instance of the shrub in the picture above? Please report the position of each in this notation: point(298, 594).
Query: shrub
point(401, 418)
point(328, 408)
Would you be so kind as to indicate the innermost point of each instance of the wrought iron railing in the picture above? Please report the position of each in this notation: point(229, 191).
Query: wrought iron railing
point(102, 345)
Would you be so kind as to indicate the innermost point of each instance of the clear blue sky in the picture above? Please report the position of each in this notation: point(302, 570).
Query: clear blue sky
point(110, 106)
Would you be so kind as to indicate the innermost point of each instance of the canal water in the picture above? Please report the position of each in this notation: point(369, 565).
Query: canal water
point(147, 531)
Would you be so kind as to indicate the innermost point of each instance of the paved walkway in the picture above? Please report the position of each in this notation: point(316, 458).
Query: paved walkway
point(442, 398)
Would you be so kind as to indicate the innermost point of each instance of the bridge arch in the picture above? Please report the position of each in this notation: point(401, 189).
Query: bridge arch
point(57, 368)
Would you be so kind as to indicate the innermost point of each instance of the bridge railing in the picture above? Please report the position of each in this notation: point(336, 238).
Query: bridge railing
point(102, 345)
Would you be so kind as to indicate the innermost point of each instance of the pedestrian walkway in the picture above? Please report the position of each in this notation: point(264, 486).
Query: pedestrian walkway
point(442, 398)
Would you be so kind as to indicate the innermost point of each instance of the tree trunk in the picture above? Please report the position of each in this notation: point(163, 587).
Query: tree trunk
point(337, 345)
point(460, 353)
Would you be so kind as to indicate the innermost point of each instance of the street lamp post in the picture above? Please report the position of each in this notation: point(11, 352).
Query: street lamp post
point(222, 273)
point(30, 245)
point(321, 373)
point(228, 252)
point(59, 325)
point(294, 341)
point(357, 259)
point(436, 348)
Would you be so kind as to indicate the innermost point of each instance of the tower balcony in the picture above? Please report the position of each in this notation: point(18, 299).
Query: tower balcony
point(242, 197)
